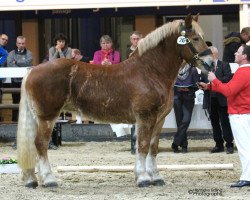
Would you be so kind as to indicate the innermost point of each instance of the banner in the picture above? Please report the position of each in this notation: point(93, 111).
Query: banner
point(96, 4)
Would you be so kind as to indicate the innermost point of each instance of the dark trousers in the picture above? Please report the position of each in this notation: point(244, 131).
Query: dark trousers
point(220, 124)
point(183, 108)
point(15, 100)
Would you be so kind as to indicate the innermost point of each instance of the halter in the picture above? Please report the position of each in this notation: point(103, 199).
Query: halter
point(183, 40)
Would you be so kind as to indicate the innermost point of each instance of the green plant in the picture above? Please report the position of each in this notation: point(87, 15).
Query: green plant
point(7, 160)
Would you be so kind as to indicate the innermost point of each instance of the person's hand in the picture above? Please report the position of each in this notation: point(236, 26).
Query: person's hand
point(211, 76)
point(106, 62)
point(202, 86)
point(58, 48)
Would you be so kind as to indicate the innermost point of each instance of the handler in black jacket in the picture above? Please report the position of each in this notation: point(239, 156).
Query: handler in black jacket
point(216, 104)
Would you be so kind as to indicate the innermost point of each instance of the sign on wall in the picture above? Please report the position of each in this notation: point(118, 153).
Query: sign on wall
point(78, 4)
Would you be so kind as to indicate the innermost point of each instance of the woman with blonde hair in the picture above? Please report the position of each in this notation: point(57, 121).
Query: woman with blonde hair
point(107, 55)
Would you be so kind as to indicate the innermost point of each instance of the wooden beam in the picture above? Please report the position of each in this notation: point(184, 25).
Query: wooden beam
point(9, 106)
point(10, 90)
point(128, 168)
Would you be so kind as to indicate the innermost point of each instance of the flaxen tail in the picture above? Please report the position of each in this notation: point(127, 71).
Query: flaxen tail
point(26, 130)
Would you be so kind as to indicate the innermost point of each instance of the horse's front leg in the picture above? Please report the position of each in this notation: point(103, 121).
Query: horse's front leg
point(42, 141)
point(151, 165)
point(143, 132)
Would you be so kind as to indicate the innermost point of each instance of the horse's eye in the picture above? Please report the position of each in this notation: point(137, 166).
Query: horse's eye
point(196, 39)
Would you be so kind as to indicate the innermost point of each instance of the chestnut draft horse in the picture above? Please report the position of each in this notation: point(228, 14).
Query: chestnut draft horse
point(137, 91)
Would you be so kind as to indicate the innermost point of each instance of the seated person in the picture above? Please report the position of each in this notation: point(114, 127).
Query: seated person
point(77, 55)
point(107, 55)
point(60, 48)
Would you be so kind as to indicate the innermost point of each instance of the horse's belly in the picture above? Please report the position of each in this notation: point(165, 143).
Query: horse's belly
point(108, 114)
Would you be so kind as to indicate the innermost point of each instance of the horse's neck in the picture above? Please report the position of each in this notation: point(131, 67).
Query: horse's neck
point(164, 63)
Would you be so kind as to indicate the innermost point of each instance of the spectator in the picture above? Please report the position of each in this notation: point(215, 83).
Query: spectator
point(3, 56)
point(237, 92)
point(233, 41)
point(184, 95)
point(3, 43)
point(60, 48)
point(4, 40)
point(77, 55)
point(19, 57)
point(216, 104)
point(107, 55)
point(3, 59)
point(134, 39)
point(135, 36)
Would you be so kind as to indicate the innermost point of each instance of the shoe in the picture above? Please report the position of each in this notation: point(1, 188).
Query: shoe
point(241, 184)
point(175, 148)
point(184, 150)
point(217, 149)
point(230, 150)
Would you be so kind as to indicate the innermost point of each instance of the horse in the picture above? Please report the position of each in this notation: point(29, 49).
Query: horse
point(137, 91)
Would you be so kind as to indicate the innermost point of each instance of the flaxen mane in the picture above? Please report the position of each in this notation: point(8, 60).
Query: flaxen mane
point(153, 38)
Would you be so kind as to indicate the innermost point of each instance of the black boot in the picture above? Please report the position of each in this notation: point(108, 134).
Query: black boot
point(175, 148)
point(184, 150)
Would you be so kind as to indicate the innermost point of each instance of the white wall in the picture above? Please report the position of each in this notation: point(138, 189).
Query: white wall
point(213, 29)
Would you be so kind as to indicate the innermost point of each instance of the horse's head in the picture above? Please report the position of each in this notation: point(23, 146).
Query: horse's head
point(192, 46)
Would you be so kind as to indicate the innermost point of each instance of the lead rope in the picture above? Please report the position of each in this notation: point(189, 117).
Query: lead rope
point(208, 111)
point(210, 98)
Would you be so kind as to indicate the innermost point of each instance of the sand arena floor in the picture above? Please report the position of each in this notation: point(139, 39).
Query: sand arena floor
point(121, 186)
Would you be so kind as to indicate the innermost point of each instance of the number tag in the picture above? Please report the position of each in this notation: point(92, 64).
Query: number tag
point(181, 40)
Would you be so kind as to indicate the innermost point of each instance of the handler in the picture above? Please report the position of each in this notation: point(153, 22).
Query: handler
point(237, 92)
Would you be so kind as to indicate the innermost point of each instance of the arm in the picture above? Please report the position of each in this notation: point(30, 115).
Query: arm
point(11, 59)
point(226, 73)
point(195, 79)
point(97, 58)
point(195, 75)
point(53, 54)
point(3, 56)
point(233, 87)
point(116, 58)
point(67, 53)
point(25, 61)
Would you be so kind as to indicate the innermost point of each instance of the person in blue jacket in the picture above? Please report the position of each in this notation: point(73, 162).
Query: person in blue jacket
point(3, 56)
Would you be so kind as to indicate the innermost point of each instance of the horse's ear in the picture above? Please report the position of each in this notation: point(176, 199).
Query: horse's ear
point(188, 21)
point(195, 18)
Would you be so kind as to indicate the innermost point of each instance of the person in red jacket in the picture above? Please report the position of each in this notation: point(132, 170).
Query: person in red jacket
point(237, 91)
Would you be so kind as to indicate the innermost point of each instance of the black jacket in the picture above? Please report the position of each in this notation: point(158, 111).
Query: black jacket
point(224, 74)
point(232, 42)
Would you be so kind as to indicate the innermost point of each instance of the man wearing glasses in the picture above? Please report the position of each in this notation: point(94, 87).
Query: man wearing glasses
point(134, 39)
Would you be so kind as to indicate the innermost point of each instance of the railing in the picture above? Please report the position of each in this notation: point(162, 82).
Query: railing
point(7, 73)
point(10, 91)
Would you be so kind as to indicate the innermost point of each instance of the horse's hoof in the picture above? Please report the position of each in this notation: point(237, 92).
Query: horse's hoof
point(144, 184)
point(51, 184)
point(32, 185)
point(158, 182)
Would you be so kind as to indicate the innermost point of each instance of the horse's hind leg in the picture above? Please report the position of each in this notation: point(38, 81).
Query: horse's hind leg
point(42, 141)
point(29, 177)
point(151, 164)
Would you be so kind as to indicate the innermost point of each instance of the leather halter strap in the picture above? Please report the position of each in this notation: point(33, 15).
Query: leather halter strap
point(197, 56)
